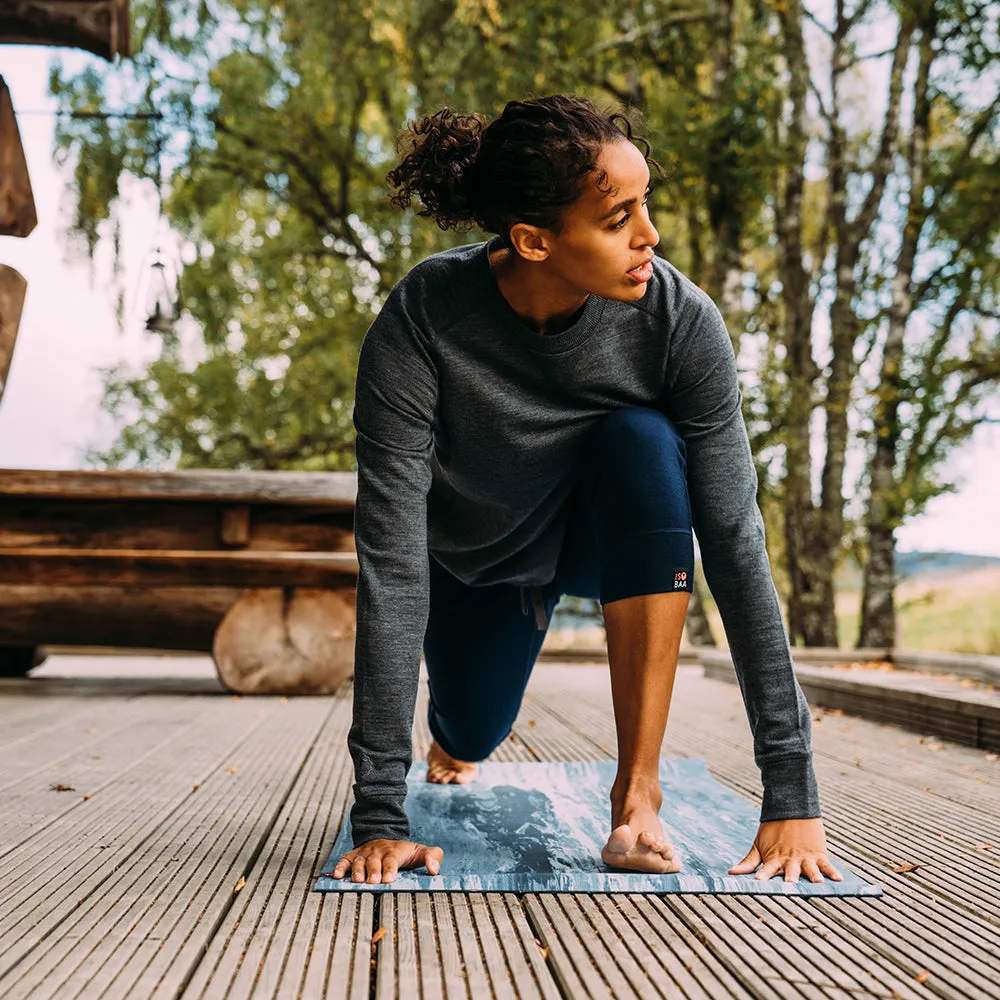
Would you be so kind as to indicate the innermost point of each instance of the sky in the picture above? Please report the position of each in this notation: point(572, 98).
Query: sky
point(50, 414)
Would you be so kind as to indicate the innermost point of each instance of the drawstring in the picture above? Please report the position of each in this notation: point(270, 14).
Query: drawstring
point(541, 618)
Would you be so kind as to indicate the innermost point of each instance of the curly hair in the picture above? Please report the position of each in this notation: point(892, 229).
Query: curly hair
point(528, 165)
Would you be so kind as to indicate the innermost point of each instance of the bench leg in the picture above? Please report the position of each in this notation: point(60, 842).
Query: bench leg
point(286, 641)
point(16, 661)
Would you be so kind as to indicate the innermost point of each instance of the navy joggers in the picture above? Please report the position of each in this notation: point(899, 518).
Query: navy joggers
point(629, 533)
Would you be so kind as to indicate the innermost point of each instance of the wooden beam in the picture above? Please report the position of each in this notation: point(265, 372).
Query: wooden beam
point(333, 490)
point(12, 290)
point(99, 26)
point(127, 616)
point(17, 203)
point(121, 567)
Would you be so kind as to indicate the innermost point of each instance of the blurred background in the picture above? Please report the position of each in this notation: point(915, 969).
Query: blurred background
point(215, 237)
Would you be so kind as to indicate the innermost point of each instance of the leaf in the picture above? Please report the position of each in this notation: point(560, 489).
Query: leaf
point(906, 868)
point(239, 885)
point(378, 935)
point(61, 788)
point(923, 976)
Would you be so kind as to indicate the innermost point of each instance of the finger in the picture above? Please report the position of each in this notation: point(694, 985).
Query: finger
point(389, 870)
point(826, 866)
point(374, 868)
point(748, 864)
point(770, 868)
point(433, 856)
point(343, 865)
point(792, 870)
point(811, 870)
point(358, 869)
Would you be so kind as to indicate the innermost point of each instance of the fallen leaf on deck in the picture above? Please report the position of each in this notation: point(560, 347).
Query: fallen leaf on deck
point(985, 847)
point(905, 868)
point(61, 788)
point(195, 788)
point(87, 796)
point(239, 885)
point(90, 732)
point(922, 977)
point(378, 935)
point(230, 770)
point(531, 722)
point(282, 700)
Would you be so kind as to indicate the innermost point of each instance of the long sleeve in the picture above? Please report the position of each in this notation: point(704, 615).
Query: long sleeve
point(394, 407)
point(703, 399)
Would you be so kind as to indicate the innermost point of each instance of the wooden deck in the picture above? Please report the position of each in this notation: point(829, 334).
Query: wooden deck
point(159, 838)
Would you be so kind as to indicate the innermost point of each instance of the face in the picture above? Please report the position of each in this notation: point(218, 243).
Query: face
point(607, 239)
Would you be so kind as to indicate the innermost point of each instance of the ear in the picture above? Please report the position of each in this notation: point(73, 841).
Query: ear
point(531, 242)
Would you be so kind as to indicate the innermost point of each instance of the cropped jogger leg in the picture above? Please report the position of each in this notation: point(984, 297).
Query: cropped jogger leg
point(480, 647)
point(637, 516)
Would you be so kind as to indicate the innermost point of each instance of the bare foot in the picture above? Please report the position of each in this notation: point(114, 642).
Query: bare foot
point(445, 769)
point(637, 840)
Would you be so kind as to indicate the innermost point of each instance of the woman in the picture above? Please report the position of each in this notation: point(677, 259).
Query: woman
point(548, 413)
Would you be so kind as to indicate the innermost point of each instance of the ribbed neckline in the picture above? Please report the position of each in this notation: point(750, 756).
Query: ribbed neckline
point(499, 308)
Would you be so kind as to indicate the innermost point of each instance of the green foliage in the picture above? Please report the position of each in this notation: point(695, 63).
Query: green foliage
point(277, 123)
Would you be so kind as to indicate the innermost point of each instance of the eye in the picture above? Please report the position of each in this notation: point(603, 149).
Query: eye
point(628, 215)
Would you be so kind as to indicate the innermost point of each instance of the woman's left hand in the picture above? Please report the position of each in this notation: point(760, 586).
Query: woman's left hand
point(794, 846)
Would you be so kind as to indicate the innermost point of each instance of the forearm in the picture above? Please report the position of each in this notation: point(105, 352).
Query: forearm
point(739, 576)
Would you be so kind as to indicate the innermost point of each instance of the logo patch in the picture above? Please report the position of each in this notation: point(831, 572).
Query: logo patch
point(680, 579)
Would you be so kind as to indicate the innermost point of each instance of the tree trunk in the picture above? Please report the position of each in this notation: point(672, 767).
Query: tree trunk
point(810, 604)
point(699, 631)
point(878, 610)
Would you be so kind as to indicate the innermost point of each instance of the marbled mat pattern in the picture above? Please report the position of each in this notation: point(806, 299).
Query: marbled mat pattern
point(541, 826)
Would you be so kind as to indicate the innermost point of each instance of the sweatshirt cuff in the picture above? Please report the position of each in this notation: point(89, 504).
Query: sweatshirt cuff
point(790, 790)
point(375, 820)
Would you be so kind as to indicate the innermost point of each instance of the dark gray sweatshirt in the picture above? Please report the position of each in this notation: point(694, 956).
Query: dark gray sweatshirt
point(469, 430)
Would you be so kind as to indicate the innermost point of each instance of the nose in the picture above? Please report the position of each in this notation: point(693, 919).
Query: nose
point(647, 236)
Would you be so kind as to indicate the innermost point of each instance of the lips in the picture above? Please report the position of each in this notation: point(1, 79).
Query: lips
point(643, 272)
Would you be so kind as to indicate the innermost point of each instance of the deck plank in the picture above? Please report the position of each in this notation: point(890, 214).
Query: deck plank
point(959, 956)
point(180, 877)
point(153, 863)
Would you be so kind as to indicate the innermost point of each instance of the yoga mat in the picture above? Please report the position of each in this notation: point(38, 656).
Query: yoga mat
point(541, 826)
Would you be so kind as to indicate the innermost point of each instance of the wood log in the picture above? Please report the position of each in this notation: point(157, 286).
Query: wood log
point(99, 26)
point(112, 567)
point(12, 291)
point(333, 490)
point(46, 522)
point(287, 641)
point(176, 618)
point(17, 203)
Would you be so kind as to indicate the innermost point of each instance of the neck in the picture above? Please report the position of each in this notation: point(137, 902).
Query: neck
point(541, 301)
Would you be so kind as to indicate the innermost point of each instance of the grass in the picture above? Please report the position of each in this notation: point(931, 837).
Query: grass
point(957, 612)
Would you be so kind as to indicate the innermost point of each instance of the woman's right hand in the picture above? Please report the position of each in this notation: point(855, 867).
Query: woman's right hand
point(379, 860)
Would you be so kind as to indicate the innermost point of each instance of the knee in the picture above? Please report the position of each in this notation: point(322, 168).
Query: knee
point(469, 741)
point(639, 432)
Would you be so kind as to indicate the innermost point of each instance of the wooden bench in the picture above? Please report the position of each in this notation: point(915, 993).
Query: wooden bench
point(258, 568)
